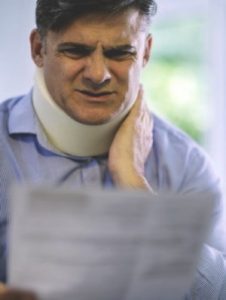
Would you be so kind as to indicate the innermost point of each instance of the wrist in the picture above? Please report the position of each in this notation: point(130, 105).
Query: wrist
point(130, 178)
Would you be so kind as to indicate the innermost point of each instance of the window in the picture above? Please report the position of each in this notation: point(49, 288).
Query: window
point(175, 79)
point(186, 79)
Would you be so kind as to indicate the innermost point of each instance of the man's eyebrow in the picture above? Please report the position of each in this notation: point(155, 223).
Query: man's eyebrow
point(126, 47)
point(81, 46)
point(77, 46)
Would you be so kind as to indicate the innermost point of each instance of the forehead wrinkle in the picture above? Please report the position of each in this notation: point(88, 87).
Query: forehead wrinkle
point(122, 40)
point(110, 31)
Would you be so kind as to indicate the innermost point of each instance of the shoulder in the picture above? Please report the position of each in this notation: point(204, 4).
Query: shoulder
point(8, 105)
point(167, 134)
point(180, 160)
point(181, 165)
point(12, 110)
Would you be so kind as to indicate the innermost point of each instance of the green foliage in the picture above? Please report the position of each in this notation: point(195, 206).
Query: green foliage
point(174, 80)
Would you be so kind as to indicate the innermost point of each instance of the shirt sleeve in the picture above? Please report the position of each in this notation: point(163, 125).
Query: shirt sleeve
point(210, 278)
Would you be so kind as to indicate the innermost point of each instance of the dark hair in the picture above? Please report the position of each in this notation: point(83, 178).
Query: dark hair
point(56, 15)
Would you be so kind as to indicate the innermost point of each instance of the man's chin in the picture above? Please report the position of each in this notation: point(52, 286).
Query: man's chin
point(93, 116)
point(92, 121)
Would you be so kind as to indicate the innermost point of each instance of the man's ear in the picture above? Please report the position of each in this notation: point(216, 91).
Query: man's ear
point(37, 48)
point(147, 50)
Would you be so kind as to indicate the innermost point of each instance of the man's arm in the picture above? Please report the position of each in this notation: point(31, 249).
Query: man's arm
point(127, 157)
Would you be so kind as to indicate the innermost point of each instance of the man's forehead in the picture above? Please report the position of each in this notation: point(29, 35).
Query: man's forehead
point(129, 15)
point(90, 29)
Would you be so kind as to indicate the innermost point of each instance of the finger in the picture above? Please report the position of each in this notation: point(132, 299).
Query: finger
point(138, 103)
point(141, 102)
point(14, 294)
point(140, 95)
point(3, 288)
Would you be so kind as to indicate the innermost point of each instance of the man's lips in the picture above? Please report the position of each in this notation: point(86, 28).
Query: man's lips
point(96, 96)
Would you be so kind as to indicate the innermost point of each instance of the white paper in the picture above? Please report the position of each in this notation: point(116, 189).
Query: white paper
point(105, 245)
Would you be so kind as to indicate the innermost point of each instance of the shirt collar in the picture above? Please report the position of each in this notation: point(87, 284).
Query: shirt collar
point(22, 118)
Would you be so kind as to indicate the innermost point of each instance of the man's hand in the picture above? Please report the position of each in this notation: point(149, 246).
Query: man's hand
point(15, 294)
point(131, 146)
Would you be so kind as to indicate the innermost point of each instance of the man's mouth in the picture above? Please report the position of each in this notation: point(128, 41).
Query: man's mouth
point(95, 97)
point(93, 94)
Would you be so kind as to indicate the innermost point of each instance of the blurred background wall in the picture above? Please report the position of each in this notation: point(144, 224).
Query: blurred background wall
point(16, 68)
point(185, 80)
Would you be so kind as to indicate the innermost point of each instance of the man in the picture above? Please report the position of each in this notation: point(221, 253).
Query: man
point(85, 121)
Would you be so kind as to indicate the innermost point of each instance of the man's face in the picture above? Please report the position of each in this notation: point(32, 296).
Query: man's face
point(92, 68)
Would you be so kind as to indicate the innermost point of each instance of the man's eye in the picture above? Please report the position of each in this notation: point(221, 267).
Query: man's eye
point(75, 53)
point(119, 54)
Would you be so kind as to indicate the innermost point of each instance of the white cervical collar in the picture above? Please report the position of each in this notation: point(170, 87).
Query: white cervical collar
point(66, 134)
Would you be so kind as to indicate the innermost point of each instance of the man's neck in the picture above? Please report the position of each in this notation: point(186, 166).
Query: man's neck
point(66, 134)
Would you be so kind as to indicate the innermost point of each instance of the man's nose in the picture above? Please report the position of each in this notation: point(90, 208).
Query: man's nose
point(96, 72)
